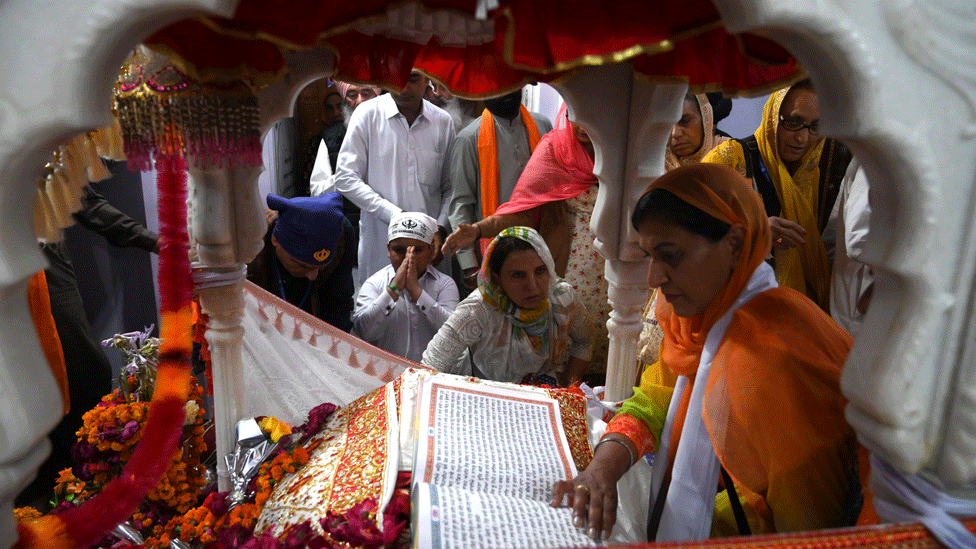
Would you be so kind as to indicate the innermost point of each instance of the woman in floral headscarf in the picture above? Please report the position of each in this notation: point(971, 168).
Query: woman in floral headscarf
point(757, 405)
point(520, 323)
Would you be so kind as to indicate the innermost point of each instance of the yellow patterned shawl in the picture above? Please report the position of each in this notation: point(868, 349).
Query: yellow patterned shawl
point(804, 268)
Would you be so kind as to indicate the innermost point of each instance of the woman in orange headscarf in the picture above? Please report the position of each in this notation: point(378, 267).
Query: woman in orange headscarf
point(693, 137)
point(758, 392)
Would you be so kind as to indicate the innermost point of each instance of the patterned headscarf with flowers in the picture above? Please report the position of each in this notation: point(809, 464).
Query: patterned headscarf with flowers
point(539, 324)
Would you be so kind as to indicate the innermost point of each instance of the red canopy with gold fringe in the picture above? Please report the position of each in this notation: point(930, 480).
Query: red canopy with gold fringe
point(516, 42)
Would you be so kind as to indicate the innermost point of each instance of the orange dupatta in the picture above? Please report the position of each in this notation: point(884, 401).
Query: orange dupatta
point(773, 406)
point(488, 156)
point(47, 332)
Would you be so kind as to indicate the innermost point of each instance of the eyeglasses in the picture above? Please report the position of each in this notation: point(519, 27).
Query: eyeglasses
point(794, 125)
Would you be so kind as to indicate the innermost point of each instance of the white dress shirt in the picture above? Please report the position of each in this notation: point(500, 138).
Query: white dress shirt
point(851, 277)
point(386, 166)
point(403, 327)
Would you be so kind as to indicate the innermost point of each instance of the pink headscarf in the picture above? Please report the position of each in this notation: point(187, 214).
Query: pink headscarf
point(343, 87)
point(559, 169)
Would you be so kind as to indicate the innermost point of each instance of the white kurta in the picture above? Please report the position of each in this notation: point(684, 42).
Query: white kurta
point(403, 327)
point(851, 277)
point(386, 166)
point(322, 179)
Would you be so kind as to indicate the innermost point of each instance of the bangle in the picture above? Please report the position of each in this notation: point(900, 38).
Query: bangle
point(479, 231)
point(472, 275)
point(393, 289)
point(620, 442)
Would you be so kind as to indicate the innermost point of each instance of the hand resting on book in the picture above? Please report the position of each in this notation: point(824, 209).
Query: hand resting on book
point(593, 493)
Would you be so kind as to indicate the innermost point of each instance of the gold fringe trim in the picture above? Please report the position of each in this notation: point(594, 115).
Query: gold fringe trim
point(72, 166)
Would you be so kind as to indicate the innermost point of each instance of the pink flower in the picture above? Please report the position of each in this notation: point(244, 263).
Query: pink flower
point(130, 429)
point(357, 528)
point(316, 419)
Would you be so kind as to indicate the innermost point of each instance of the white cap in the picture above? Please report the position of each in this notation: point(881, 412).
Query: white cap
point(416, 225)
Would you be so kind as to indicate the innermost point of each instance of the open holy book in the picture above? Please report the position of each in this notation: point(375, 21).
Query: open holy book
point(486, 462)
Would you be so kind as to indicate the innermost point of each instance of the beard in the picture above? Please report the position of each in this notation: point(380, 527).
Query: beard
point(346, 113)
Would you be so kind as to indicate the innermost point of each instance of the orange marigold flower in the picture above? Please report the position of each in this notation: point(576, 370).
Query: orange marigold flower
point(66, 475)
point(26, 514)
point(300, 455)
point(276, 472)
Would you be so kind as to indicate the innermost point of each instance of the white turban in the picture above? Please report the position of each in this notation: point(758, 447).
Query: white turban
point(416, 225)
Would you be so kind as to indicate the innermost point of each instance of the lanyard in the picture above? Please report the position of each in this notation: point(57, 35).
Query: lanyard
point(281, 286)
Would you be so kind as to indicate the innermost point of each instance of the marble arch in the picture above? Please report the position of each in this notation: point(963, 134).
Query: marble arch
point(897, 83)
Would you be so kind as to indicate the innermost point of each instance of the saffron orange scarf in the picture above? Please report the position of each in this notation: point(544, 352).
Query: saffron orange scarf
point(488, 156)
point(47, 332)
point(779, 360)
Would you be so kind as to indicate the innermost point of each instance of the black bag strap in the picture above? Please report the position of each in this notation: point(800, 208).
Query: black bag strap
point(656, 507)
point(756, 171)
point(740, 514)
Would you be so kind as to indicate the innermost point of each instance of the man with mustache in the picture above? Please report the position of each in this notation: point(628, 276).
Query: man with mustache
point(393, 159)
point(486, 161)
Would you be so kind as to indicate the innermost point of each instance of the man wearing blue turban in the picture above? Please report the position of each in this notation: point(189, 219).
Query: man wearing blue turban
point(308, 257)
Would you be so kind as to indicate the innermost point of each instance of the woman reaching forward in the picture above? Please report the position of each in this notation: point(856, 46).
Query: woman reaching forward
point(759, 372)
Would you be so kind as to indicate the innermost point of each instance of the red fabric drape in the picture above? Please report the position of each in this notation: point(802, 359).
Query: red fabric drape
point(533, 41)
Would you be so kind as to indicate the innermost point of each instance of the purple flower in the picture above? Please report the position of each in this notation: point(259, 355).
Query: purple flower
point(216, 503)
point(83, 451)
point(238, 537)
point(356, 526)
point(62, 507)
point(297, 536)
point(84, 473)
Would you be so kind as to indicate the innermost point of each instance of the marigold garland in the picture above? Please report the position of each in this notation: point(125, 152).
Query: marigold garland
point(85, 524)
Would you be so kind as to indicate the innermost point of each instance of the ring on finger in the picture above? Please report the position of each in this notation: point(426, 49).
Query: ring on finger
point(582, 487)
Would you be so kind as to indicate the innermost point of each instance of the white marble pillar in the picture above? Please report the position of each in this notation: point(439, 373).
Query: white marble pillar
point(629, 120)
point(226, 224)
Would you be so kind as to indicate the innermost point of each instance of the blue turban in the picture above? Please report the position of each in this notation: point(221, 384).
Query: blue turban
point(308, 228)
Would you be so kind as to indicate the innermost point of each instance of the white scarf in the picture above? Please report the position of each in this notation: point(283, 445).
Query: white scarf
point(687, 514)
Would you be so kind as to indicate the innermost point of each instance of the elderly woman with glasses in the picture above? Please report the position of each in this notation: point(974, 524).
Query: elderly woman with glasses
point(798, 175)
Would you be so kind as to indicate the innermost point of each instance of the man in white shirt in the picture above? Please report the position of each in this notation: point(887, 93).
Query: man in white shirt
point(516, 132)
point(853, 282)
point(393, 159)
point(401, 307)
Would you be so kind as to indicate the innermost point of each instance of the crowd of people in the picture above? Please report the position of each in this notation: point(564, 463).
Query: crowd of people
point(753, 242)
point(381, 155)
point(468, 250)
